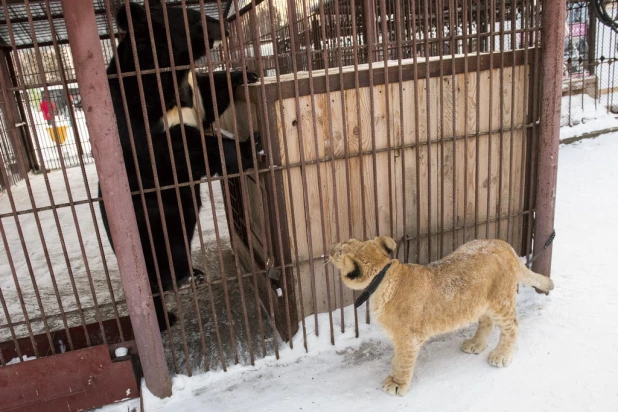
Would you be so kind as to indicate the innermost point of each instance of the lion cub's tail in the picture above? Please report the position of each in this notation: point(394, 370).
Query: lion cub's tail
point(530, 278)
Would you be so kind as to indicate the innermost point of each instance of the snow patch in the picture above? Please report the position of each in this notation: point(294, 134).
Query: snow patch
point(565, 358)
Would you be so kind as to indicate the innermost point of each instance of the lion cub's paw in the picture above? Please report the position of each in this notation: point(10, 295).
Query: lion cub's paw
point(393, 388)
point(500, 359)
point(473, 346)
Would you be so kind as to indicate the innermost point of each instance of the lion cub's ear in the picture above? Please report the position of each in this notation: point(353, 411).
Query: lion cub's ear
point(386, 243)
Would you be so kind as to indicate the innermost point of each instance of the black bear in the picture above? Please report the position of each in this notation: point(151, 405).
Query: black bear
point(150, 113)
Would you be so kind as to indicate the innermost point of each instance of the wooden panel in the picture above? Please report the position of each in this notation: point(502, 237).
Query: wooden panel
point(446, 194)
point(429, 167)
point(72, 381)
point(435, 67)
point(78, 337)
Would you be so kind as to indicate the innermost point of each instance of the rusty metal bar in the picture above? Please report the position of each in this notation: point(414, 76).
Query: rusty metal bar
point(427, 53)
point(70, 196)
point(12, 330)
point(39, 228)
point(325, 57)
point(491, 43)
point(260, 203)
point(535, 99)
point(133, 151)
point(12, 114)
point(440, 148)
point(346, 150)
point(416, 130)
point(554, 14)
point(90, 71)
point(226, 184)
point(467, 31)
point(252, 18)
point(453, 15)
point(358, 119)
point(498, 233)
point(294, 45)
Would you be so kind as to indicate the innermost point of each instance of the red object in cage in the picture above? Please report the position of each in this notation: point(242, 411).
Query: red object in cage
point(48, 109)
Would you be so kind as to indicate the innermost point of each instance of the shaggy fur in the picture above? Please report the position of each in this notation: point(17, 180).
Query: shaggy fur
point(166, 219)
point(477, 282)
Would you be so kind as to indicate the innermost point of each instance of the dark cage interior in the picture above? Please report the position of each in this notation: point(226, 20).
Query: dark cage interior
point(334, 119)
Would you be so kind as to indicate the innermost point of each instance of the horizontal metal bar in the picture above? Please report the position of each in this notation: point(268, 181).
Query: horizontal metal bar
point(251, 173)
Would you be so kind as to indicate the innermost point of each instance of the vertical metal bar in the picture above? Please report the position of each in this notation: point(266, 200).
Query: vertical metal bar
point(491, 43)
point(371, 18)
point(259, 67)
point(402, 150)
point(90, 72)
point(260, 203)
point(186, 241)
point(38, 223)
point(508, 237)
point(417, 133)
point(426, 35)
point(9, 322)
point(261, 213)
point(554, 14)
point(359, 120)
point(20, 296)
point(291, 6)
point(440, 148)
point(134, 154)
point(369, 33)
point(477, 178)
point(269, 141)
point(466, 31)
point(27, 138)
point(194, 199)
point(305, 8)
point(233, 235)
point(370, 21)
point(592, 37)
point(11, 115)
point(526, 26)
point(292, 215)
point(387, 102)
point(325, 56)
point(535, 125)
point(501, 125)
point(78, 231)
point(39, 64)
point(346, 149)
point(453, 17)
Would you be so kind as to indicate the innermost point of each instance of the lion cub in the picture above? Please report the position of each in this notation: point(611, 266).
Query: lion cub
point(477, 282)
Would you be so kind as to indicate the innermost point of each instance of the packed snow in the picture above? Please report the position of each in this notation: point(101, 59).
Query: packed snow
point(48, 268)
point(566, 357)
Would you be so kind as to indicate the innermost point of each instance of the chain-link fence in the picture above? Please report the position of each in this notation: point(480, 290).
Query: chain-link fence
point(590, 79)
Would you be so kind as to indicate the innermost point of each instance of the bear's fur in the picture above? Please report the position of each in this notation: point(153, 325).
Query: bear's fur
point(177, 217)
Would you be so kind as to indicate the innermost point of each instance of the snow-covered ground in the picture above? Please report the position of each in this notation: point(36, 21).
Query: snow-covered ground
point(567, 350)
point(49, 267)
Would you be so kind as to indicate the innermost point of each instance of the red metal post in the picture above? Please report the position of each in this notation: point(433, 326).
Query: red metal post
point(552, 38)
point(101, 122)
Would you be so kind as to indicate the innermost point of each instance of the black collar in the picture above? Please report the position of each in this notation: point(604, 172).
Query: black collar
point(372, 286)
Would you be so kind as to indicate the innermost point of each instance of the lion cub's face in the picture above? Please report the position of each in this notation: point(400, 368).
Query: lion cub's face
point(359, 262)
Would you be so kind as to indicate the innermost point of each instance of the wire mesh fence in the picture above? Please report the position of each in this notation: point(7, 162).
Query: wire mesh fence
point(312, 122)
point(589, 75)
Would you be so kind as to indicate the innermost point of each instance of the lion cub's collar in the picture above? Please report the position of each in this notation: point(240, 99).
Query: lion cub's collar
point(372, 286)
